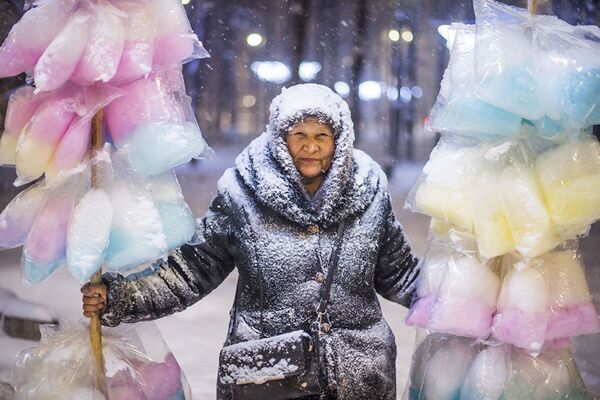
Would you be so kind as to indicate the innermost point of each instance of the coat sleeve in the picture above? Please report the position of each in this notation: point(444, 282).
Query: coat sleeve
point(188, 274)
point(397, 269)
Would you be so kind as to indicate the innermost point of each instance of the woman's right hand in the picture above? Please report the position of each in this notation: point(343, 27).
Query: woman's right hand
point(94, 298)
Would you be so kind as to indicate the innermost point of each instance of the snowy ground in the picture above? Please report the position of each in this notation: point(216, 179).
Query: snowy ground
point(196, 335)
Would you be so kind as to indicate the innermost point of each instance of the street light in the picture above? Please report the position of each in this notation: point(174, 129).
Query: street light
point(407, 36)
point(394, 35)
point(254, 39)
point(185, 2)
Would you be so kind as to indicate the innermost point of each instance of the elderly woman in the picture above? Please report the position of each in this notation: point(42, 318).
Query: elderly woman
point(300, 203)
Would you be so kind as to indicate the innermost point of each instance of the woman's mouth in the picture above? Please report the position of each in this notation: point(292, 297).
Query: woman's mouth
point(310, 160)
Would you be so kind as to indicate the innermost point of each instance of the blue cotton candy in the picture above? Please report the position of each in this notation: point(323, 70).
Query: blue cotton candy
point(581, 99)
point(36, 271)
point(178, 223)
point(158, 147)
point(468, 115)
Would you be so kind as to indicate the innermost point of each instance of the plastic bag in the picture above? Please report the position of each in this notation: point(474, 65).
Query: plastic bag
point(138, 364)
point(569, 179)
point(450, 367)
point(29, 37)
point(458, 110)
point(19, 215)
point(153, 125)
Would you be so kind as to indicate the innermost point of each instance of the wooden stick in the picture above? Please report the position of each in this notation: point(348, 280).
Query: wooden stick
point(532, 6)
point(95, 326)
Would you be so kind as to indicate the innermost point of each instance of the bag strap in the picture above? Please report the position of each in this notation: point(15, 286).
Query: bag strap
point(331, 269)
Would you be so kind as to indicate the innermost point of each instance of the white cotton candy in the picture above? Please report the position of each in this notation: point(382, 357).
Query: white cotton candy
point(487, 375)
point(88, 234)
point(446, 370)
point(137, 234)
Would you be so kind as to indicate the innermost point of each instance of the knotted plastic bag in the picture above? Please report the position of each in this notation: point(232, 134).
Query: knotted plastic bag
point(138, 366)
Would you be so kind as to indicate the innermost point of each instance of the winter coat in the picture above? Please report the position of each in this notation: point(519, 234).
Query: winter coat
point(263, 223)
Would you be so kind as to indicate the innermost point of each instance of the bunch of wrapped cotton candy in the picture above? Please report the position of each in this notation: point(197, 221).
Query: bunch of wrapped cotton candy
point(50, 134)
point(456, 292)
point(153, 124)
point(133, 221)
point(557, 307)
point(139, 366)
point(86, 41)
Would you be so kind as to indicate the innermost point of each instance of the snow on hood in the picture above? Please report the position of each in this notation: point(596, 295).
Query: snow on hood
point(267, 168)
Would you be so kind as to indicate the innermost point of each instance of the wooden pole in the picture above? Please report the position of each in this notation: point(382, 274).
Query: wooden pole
point(95, 326)
point(532, 6)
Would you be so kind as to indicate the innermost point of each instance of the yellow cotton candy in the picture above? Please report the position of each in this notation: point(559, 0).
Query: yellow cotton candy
point(569, 178)
point(566, 278)
point(33, 157)
point(489, 222)
point(528, 220)
point(8, 148)
point(447, 204)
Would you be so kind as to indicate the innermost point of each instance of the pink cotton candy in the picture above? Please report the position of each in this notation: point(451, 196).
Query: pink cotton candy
point(136, 60)
point(40, 138)
point(72, 148)
point(45, 247)
point(573, 321)
point(104, 47)
point(521, 329)
point(30, 36)
point(61, 57)
point(21, 107)
point(124, 387)
point(162, 380)
point(420, 311)
point(462, 316)
point(145, 101)
point(174, 41)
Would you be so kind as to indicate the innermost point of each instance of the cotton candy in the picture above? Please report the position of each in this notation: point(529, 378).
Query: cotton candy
point(430, 278)
point(88, 234)
point(175, 215)
point(30, 36)
point(466, 300)
point(155, 148)
point(442, 382)
point(174, 38)
point(527, 217)
point(18, 217)
point(490, 224)
point(45, 247)
point(523, 304)
point(162, 380)
point(137, 234)
point(71, 149)
point(22, 105)
point(569, 179)
point(573, 311)
point(61, 57)
point(138, 49)
point(487, 375)
point(40, 137)
point(101, 58)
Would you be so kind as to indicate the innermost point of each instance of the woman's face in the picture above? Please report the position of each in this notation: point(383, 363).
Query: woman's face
point(311, 145)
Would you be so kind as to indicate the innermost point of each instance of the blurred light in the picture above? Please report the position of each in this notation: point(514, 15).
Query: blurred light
point(407, 36)
point(394, 35)
point(271, 71)
point(370, 90)
point(405, 94)
point(417, 92)
point(392, 93)
point(248, 100)
point(342, 88)
point(254, 39)
point(185, 2)
point(308, 70)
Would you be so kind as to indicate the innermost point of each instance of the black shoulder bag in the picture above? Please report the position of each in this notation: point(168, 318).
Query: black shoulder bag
point(284, 366)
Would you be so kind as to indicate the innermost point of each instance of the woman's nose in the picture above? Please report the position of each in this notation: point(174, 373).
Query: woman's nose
point(311, 146)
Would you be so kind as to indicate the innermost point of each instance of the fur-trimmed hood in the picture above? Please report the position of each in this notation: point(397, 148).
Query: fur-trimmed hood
point(268, 171)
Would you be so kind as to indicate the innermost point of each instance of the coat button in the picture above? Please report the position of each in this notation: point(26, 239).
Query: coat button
point(325, 327)
point(313, 229)
point(319, 277)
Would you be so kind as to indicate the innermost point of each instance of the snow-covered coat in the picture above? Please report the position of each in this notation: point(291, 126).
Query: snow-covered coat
point(266, 225)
